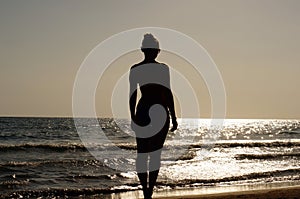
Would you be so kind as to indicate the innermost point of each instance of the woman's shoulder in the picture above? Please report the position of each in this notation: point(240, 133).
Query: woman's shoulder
point(135, 65)
point(164, 64)
point(138, 64)
point(163, 67)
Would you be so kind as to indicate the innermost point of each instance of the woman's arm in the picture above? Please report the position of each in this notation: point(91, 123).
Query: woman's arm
point(170, 103)
point(132, 95)
point(171, 108)
point(132, 102)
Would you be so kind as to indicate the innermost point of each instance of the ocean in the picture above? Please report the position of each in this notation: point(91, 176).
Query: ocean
point(47, 157)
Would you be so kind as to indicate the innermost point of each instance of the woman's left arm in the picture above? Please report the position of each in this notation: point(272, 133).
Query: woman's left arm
point(170, 102)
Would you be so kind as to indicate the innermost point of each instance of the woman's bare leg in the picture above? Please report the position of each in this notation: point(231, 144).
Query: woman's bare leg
point(154, 165)
point(141, 168)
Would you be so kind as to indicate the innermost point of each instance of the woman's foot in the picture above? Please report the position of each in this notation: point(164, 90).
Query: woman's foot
point(147, 194)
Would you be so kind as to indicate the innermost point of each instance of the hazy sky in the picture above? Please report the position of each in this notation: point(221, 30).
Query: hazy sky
point(255, 45)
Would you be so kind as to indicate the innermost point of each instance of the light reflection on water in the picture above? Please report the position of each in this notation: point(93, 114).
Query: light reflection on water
point(48, 153)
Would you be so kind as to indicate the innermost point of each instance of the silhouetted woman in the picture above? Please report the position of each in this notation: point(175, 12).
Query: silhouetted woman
point(151, 117)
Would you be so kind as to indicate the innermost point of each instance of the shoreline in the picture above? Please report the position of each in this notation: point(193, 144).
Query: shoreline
point(270, 193)
point(266, 191)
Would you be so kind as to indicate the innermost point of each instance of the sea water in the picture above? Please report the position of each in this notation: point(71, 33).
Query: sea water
point(48, 157)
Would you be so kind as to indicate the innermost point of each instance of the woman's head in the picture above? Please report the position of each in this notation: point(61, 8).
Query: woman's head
point(150, 46)
point(150, 41)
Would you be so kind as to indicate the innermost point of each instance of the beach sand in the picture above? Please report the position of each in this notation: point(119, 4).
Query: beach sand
point(292, 192)
point(266, 191)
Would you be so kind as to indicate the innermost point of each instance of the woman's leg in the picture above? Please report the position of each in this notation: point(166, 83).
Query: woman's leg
point(141, 168)
point(154, 165)
point(157, 143)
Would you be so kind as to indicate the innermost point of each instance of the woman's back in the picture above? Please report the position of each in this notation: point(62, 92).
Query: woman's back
point(153, 80)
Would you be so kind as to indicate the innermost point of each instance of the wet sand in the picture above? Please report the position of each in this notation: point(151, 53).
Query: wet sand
point(292, 192)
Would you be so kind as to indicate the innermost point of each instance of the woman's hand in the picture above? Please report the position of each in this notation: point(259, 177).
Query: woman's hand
point(133, 121)
point(175, 124)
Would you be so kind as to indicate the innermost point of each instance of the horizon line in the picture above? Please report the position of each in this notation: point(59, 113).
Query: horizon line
point(106, 117)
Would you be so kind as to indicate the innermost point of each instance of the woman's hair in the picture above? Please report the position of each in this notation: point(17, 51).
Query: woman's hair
point(150, 41)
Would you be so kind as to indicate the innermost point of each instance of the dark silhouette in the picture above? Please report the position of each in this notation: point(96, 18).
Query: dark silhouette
point(149, 121)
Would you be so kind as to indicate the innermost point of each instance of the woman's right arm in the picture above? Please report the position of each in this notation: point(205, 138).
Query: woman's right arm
point(132, 95)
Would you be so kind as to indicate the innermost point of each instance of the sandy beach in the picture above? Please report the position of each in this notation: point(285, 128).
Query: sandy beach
point(292, 192)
